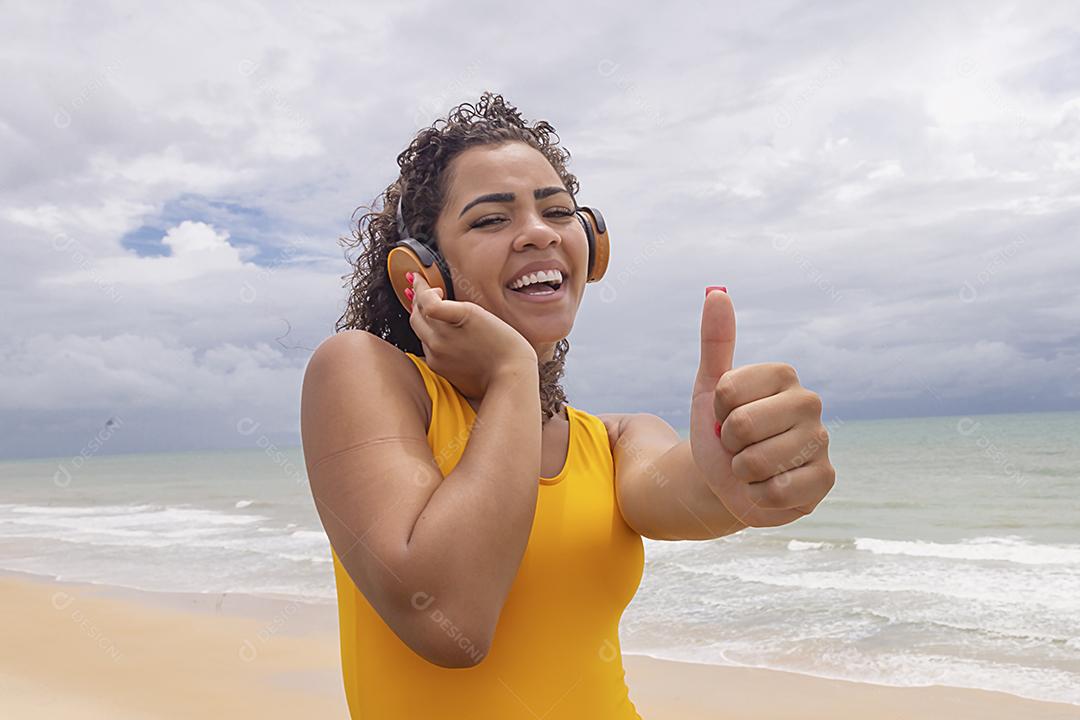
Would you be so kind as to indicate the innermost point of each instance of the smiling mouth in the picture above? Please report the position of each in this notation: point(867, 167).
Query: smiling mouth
point(541, 288)
point(545, 287)
point(541, 293)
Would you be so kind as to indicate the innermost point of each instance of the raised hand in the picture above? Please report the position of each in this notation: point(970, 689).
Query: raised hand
point(755, 432)
point(465, 343)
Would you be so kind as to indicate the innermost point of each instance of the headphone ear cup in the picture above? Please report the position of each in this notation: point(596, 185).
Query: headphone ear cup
point(599, 245)
point(410, 256)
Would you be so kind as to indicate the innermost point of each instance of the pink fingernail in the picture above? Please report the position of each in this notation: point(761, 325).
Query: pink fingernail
point(710, 288)
point(409, 277)
point(409, 293)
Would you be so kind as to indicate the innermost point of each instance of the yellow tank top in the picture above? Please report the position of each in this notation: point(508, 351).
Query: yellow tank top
point(555, 653)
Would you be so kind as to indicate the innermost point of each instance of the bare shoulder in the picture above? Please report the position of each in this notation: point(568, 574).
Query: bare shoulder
point(358, 344)
point(637, 427)
point(366, 354)
point(350, 362)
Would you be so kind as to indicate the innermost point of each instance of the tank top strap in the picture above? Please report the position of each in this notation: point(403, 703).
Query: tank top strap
point(595, 430)
point(451, 416)
point(429, 376)
point(438, 388)
point(593, 448)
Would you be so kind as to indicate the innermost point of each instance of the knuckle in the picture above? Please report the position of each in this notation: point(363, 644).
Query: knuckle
point(788, 373)
point(726, 392)
point(739, 467)
point(749, 465)
point(812, 401)
point(830, 475)
point(466, 313)
point(773, 494)
point(741, 424)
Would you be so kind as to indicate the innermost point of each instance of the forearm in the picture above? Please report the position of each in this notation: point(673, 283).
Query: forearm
point(473, 531)
point(676, 503)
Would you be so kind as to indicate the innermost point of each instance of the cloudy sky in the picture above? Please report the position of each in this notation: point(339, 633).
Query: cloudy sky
point(889, 191)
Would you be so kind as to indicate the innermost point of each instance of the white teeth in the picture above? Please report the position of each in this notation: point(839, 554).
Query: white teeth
point(542, 276)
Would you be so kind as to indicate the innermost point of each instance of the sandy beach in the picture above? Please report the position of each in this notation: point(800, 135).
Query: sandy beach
point(89, 651)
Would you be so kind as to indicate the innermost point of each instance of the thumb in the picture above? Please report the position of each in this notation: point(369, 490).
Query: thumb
point(717, 336)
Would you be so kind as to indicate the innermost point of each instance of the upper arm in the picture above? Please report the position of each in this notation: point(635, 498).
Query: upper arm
point(637, 439)
point(370, 467)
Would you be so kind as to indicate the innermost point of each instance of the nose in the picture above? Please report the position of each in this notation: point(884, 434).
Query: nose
point(536, 233)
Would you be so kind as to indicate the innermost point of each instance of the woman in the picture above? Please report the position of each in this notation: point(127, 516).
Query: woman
point(484, 544)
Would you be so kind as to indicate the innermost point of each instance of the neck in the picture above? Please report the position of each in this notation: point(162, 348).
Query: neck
point(544, 352)
point(548, 381)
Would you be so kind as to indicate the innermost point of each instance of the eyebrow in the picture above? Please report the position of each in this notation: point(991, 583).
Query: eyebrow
point(539, 194)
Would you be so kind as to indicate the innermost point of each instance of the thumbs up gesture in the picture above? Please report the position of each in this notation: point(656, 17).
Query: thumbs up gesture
point(755, 432)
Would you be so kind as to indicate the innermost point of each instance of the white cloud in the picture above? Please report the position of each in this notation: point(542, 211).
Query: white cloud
point(858, 177)
point(197, 249)
point(47, 372)
point(167, 166)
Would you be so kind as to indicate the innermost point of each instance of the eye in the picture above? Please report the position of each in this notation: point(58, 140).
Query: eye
point(554, 212)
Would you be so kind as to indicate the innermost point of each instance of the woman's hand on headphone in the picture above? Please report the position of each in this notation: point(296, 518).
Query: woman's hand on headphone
point(466, 344)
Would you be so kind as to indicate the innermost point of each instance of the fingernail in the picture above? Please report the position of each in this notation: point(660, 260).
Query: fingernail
point(710, 288)
point(409, 277)
point(409, 293)
point(716, 428)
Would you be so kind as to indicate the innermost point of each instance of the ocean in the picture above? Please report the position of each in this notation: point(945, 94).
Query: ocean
point(947, 553)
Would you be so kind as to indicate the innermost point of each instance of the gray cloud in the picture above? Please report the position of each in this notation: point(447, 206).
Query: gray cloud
point(890, 193)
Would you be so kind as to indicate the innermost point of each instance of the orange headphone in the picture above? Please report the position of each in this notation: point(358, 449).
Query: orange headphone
point(411, 255)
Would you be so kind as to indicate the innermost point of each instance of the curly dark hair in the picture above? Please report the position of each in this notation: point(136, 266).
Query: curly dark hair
point(372, 304)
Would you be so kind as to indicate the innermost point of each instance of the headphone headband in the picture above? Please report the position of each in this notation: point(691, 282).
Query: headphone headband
point(403, 232)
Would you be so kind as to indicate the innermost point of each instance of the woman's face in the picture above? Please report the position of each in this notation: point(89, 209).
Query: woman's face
point(488, 243)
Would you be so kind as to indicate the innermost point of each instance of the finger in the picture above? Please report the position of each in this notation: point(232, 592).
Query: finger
point(772, 456)
point(430, 303)
point(421, 326)
point(717, 338)
point(420, 284)
point(801, 486)
point(449, 311)
point(749, 383)
point(769, 416)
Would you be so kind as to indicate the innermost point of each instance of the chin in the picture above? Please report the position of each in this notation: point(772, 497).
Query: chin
point(546, 331)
